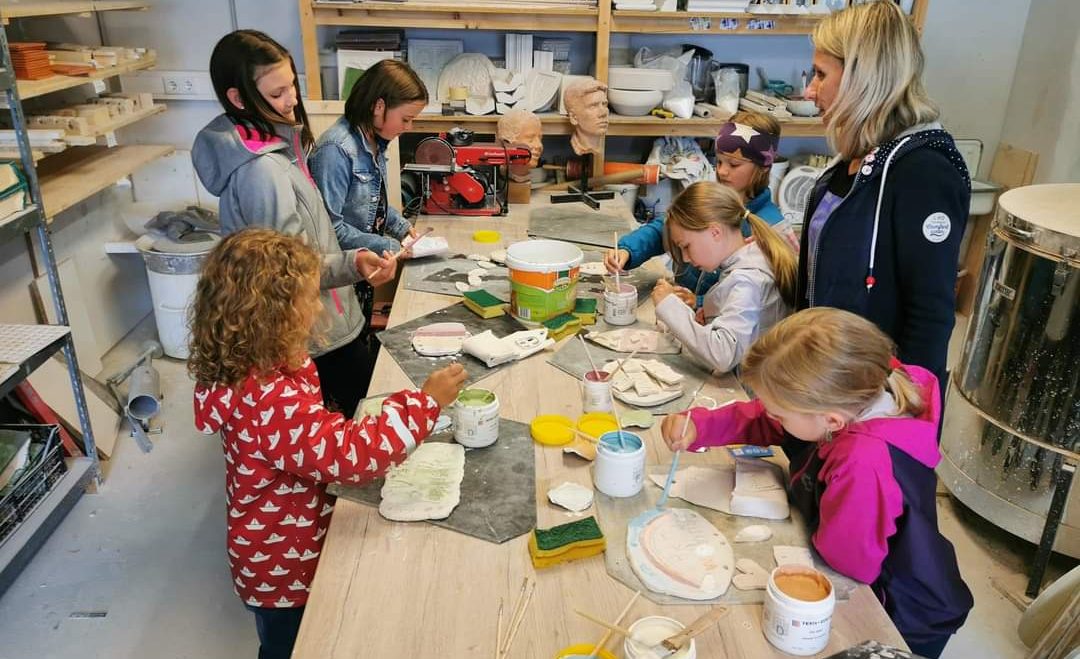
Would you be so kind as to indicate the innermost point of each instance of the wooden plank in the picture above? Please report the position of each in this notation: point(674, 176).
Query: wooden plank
point(53, 385)
point(32, 88)
point(82, 331)
point(310, 37)
point(1012, 168)
point(460, 17)
point(16, 9)
point(358, 595)
point(80, 173)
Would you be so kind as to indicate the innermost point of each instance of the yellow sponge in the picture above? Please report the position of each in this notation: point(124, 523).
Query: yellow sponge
point(562, 325)
point(566, 542)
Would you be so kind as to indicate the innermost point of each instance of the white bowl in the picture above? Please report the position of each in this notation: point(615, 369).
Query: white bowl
point(802, 107)
point(628, 77)
point(633, 103)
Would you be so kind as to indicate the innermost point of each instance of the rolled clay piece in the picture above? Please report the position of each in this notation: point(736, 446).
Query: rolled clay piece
point(593, 268)
point(753, 533)
point(486, 265)
point(476, 277)
point(477, 257)
point(462, 286)
point(571, 496)
point(644, 385)
point(439, 339)
point(499, 256)
point(678, 552)
point(662, 371)
point(630, 397)
point(426, 486)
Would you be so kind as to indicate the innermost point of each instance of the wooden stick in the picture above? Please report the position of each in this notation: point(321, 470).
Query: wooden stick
point(618, 286)
point(583, 435)
point(513, 630)
point(606, 625)
point(518, 612)
point(588, 356)
point(607, 635)
point(623, 362)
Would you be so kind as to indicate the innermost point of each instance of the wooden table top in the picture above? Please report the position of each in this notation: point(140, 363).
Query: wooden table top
point(387, 589)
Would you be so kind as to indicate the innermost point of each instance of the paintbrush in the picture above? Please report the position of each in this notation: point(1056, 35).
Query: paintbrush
point(405, 245)
point(623, 363)
point(673, 644)
point(606, 625)
point(607, 635)
point(674, 463)
point(618, 286)
point(614, 410)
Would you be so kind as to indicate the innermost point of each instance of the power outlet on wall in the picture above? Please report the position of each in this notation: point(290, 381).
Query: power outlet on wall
point(179, 85)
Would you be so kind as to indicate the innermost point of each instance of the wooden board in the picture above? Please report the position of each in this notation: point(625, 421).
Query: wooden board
point(82, 331)
point(78, 174)
point(51, 382)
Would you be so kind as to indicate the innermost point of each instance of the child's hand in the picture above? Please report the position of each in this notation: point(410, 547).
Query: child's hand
point(699, 316)
point(662, 290)
point(686, 295)
point(444, 384)
point(672, 431)
point(615, 260)
point(377, 270)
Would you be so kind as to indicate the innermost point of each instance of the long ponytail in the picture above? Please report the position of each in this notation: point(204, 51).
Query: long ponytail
point(778, 252)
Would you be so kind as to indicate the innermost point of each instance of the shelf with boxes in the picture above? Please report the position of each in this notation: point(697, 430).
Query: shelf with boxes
point(10, 9)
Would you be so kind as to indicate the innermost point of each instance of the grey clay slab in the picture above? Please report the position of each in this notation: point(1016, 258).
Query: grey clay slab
point(498, 491)
point(577, 224)
point(398, 342)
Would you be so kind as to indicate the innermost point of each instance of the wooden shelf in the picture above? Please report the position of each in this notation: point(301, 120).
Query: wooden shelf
point(557, 124)
point(457, 16)
point(684, 22)
point(28, 9)
point(33, 88)
point(81, 172)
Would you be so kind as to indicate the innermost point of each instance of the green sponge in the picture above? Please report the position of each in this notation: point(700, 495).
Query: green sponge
point(566, 542)
point(562, 325)
point(484, 304)
point(585, 310)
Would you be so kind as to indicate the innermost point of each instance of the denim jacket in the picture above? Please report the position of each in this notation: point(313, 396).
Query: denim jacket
point(350, 178)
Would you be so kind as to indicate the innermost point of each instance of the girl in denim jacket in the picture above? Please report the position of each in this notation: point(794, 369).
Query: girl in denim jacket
point(349, 162)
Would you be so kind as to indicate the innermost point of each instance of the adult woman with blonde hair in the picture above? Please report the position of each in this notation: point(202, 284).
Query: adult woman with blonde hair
point(862, 428)
point(883, 227)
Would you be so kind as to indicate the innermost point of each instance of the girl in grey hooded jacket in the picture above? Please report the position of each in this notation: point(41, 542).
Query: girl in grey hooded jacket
point(253, 157)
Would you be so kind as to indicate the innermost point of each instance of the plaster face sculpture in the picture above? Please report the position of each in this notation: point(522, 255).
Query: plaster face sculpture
point(521, 128)
point(586, 105)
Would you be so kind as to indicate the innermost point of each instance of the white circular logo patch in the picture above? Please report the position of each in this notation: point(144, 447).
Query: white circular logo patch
point(936, 227)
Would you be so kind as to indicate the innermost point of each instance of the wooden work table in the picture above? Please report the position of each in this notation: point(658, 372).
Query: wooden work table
point(387, 589)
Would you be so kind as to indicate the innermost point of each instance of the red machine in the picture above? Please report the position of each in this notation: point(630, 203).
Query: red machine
point(464, 178)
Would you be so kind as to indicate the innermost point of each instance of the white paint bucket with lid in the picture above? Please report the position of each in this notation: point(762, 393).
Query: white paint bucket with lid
point(799, 603)
point(647, 633)
point(543, 278)
point(619, 469)
point(596, 392)
point(476, 418)
point(620, 308)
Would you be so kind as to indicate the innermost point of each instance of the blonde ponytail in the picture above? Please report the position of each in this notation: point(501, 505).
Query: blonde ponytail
point(778, 252)
point(908, 398)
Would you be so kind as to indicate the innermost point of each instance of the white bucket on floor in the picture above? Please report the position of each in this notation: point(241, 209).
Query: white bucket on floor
point(173, 278)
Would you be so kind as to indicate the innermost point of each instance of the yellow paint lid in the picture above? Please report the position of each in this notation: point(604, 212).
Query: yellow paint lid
point(485, 236)
point(552, 429)
point(595, 424)
point(582, 650)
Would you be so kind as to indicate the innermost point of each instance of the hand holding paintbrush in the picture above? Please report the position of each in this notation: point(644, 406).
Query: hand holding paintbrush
point(406, 244)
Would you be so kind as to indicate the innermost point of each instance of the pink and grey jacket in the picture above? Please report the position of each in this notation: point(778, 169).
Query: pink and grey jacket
point(869, 496)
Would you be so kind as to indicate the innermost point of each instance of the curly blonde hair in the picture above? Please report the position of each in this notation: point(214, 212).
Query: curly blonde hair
point(881, 91)
point(709, 202)
point(825, 359)
point(253, 308)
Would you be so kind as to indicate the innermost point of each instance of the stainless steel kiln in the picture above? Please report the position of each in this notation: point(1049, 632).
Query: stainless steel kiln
point(1011, 433)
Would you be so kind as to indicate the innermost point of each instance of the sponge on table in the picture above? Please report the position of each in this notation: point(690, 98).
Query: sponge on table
point(567, 542)
point(484, 304)
point(585, 310)
point(562, 325)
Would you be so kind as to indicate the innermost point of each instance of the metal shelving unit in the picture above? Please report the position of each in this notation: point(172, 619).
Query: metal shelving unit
point(25, 347)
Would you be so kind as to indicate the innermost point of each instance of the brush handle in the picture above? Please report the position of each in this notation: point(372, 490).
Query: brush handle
point(606, 625)
point(707, 620)
point(670, 479)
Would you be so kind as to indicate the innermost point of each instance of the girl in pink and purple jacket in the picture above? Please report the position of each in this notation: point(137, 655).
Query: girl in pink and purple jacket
point(860, 430)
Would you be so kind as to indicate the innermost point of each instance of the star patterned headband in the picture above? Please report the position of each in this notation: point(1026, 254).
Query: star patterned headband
point(748, 143)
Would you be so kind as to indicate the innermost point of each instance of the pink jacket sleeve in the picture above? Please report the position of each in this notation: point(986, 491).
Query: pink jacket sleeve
point(306, 439)
point(858, 513)
point(738, 423)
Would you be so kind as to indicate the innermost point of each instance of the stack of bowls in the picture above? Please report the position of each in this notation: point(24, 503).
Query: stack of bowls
point(635, 92)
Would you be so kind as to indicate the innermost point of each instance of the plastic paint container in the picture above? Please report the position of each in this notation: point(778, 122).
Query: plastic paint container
point(596, 394)
point(552, 429)
point(581, 651)
point(543, 278)
point(648, 632)
point(620, 308)
point(799, 603)
point(476, 418)
point(619, 470)
point(595, 424)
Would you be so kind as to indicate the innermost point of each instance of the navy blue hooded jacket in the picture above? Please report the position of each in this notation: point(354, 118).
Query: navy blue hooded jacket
point(900, 226)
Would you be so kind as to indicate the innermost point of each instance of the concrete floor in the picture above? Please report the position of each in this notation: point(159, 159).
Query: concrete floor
point(138, 569)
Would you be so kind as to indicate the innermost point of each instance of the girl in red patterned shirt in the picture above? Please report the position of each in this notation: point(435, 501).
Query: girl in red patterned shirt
point(254, 312)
